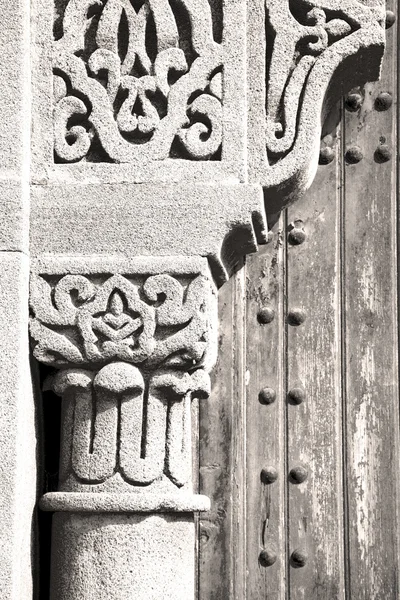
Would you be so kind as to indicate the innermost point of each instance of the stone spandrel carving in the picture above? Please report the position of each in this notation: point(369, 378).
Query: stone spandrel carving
point(132, 351)
point(303, 32)
point(136, 80)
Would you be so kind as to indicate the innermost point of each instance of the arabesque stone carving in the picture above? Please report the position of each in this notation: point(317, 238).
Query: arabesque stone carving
point(157, 321)
point(135, 83)
point(164, 133)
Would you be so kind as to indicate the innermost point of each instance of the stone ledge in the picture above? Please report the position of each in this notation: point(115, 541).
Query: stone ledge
point(123, 503)
point(221, 223)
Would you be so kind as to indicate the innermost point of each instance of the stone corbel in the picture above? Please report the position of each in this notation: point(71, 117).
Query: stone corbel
point(307, 54)
point(136, 220)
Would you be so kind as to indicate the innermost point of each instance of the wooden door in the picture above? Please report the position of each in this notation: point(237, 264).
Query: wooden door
point(299, 445)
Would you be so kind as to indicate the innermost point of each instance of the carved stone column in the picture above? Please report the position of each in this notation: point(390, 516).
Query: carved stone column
point(161, 139)
point(133, 349)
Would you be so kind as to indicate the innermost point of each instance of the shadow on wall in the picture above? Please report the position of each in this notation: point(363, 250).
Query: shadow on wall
point(48, 408)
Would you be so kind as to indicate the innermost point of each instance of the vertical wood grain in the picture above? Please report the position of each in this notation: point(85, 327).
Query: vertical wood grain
point(266, 521)
point(314, 427)
point(370, 319)
point(345, 516)
point(222, 437)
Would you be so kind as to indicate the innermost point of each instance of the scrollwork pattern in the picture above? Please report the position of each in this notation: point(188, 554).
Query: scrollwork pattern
point(160, 321)
point(126, 81)
point(298, 33)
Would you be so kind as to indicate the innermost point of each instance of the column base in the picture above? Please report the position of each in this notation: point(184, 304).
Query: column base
point(81, 502)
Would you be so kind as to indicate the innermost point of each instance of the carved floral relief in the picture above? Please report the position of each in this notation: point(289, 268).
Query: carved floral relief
point(135, 80)
point(156, 322)
point(131, 352)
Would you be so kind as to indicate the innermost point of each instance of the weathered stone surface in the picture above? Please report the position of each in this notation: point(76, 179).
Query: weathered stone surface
point(136, 501)
point(17, 427)
point(170, 108)
point(15, 91)
point(222, 223)
point(14, 216)
point(302, 56)
point(123, 556)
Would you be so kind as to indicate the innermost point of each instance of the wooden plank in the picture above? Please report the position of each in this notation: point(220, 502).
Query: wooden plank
point(314, 426)
point(265, 423)
point(222, 438)
point(370, 290)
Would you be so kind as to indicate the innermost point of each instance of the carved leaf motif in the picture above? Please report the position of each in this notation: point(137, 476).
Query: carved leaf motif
point(160, 322)
point(303, 31)
point(130, 85)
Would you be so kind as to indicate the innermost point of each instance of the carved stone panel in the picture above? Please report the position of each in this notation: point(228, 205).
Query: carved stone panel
point(149, 85)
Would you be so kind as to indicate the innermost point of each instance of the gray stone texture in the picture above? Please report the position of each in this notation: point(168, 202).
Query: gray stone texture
point(17, 414)
point(14, 215)
point(148, 186)
point(15, 91)
point(145, 557)
point(17, 427)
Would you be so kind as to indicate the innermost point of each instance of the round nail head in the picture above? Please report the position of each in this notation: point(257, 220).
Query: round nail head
point(296, 236)
point(299, 558)
point(266, 315)
point(353, 155)
point(384, 101)
point(267, 557)
point(326, 155)
point(390, 19)
point(269, 475)
point(298, 475)
point(382, 154)
point(267, 396)
point(353, 102)
point(296, 396)
point(296, 317)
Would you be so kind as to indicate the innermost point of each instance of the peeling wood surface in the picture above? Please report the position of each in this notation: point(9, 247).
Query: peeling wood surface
point(222, 441)
point(314, 359)
point(370, 339)
point(266, 501)
point(344, 518)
